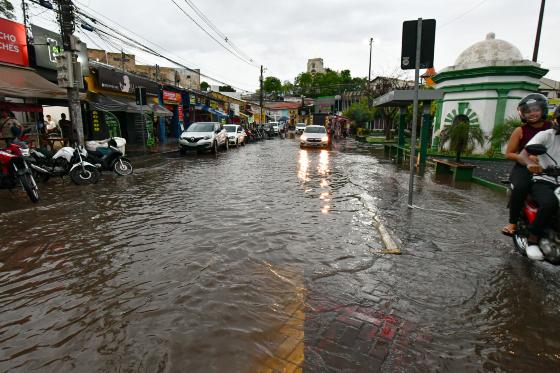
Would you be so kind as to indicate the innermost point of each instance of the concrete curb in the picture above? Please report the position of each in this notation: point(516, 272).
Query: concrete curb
point(489, 184)
point(391, 246)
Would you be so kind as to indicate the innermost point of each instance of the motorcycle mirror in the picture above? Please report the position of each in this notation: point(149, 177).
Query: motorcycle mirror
point(536, 149)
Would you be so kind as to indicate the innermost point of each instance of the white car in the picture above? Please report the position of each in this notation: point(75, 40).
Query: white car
point(300, 127)
point(236, 134)
point(314, 136)
point(202, 136)
point(275, 128)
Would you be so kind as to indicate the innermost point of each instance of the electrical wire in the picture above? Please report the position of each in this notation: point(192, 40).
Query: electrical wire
point(212, 36)
point(462, 14)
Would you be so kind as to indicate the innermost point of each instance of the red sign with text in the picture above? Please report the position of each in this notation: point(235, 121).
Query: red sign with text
point(172, 97)
point(13, 44)
point(181, 113)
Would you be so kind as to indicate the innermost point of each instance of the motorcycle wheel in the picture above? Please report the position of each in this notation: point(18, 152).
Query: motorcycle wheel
point(123, 167)
point(520, 243)
point(89, 175)
point(215, 148)
point(30, 187)
point(226, 146)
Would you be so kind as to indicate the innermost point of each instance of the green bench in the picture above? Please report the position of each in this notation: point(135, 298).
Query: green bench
point(460, 171)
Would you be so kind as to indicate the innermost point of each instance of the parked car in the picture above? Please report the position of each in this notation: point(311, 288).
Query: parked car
point(314, 136)
point(275, 128)
point(204, 136)
point(236, 134)
point(300, 127)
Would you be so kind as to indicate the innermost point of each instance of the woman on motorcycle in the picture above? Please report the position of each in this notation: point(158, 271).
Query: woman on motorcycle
point(533, 110)
point(544, 186)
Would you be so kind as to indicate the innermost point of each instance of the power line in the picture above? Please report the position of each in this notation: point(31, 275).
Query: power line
point(462, 14)
point(212, 36)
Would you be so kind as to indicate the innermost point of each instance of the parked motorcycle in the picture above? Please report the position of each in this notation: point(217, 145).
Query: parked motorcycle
point(550, 243)
point(110, 158)
point(14, 170)
point(67, 161)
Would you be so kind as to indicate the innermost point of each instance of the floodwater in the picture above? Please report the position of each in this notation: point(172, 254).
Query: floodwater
point(195, 264)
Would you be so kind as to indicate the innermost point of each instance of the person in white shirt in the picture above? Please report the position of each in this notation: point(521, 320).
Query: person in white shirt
point(543, 186)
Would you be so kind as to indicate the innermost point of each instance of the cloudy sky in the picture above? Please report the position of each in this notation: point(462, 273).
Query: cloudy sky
point(282, 35)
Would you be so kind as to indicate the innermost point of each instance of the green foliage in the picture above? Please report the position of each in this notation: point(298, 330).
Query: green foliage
point(462, 137)
point(502, 132)
point(204, 86)
point(360, 113)
point(272, 85)
point(226, 88)
point(329, 83)
point(7, 9)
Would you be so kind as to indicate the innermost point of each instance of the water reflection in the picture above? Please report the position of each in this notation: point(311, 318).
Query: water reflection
point(317, 181)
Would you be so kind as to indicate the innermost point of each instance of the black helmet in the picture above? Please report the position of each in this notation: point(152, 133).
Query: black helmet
point(530, 101)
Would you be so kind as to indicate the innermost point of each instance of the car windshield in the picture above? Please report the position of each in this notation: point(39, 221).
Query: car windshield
point(230, 128)
point(201, 127)
point(315, 130)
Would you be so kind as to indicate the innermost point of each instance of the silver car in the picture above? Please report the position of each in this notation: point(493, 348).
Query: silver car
point(202, 136)
point(314, 136)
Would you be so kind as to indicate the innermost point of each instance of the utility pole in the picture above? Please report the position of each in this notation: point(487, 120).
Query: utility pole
point(262, 92)
point(369, 75)
point(25, 19)
point(122, 60)
point(67, 27)
point(538, 37)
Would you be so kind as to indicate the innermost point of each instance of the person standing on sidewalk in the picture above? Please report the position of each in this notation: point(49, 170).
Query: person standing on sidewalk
point(533, 110)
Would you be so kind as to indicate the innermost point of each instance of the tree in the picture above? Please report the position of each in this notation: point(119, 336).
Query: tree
point(502, 132)
point(204, 86)
point(7, 9)
point(462, 137)
point(360, 113)
point(227, 88)
point(272, 85)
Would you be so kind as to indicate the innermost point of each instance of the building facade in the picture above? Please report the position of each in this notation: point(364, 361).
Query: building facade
point(315, 66)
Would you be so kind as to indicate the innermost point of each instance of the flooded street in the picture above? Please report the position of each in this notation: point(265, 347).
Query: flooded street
point(267, 257)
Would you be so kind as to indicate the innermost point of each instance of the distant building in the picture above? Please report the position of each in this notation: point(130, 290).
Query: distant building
point(550, 88)
point(177, 76)
point(315, 66)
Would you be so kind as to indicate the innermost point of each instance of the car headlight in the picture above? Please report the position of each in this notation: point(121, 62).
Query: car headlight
point(303, 137)
point(325, 138)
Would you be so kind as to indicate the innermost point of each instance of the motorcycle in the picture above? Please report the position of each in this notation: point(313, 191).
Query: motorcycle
point(67, 161)
point(112, 159)
point(14, 170)
point(550, 243)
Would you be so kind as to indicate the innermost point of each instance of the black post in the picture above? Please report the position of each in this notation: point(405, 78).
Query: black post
point(538, 37)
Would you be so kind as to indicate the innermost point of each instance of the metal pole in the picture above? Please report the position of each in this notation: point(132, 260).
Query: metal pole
point(143, 124)
point(369, 77)
point(538, 37)
point(262, 94)
point(415, 113)
point(25, 20)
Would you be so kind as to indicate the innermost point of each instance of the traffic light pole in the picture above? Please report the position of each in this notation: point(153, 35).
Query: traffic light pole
point(262, 95)
point(67, 26)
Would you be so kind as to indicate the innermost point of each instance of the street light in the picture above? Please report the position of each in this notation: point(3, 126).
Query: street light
point(337, 102)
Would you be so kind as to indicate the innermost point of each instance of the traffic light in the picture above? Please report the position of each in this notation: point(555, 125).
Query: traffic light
point(64, 70)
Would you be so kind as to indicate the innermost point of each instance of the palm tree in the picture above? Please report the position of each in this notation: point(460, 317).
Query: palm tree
point(502, 132)
point(462, 137)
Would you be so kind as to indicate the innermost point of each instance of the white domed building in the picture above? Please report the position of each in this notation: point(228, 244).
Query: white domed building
point(485, 85)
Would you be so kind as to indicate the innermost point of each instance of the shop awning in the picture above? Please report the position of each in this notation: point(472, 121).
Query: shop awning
point(26, 83)
point(114, 103)
point(216, 112)
point(160, 111)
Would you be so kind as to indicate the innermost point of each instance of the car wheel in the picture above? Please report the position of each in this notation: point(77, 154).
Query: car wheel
point(182, 151)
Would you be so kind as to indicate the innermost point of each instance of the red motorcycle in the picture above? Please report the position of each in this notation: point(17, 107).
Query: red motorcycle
point(15, 171)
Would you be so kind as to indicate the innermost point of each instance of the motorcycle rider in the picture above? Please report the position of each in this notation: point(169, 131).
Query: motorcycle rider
point(533, 110)
point(543, 186)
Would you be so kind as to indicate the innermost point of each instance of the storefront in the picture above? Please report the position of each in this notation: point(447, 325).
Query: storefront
point(112, 109)
point(177, 102)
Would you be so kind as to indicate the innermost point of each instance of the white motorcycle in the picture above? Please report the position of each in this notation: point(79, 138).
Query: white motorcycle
point(67, 161)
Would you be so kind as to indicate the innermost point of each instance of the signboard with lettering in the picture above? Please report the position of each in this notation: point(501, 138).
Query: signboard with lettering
point(124, 82)
point(171, 97)
point(48, 45)
point(193, 99)
point(181, 113)
point(13, 43)
point(104, 124)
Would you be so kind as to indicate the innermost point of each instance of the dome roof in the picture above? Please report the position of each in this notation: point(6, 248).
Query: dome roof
point(487, 51)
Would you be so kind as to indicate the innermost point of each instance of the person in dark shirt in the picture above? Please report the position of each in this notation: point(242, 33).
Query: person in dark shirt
point(66, 127)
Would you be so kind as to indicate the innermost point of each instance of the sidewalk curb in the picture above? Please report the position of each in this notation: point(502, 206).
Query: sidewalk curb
point(489, 184)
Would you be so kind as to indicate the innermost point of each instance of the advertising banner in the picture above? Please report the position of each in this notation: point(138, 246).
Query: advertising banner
point(13, 43)
point(171, 97)
point(119, 81)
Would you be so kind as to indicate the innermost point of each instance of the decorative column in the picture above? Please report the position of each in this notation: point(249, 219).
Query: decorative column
point(437, 124)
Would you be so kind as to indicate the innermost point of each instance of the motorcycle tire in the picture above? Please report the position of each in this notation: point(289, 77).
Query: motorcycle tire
point(90, 175)
point(30, 187)
point(123, 167)
point(520, 244)
point(215, 148)
point(226, 146)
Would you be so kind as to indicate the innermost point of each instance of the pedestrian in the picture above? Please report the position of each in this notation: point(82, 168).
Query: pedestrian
point(66, 128)
point(10, 128)
point(52, 128)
